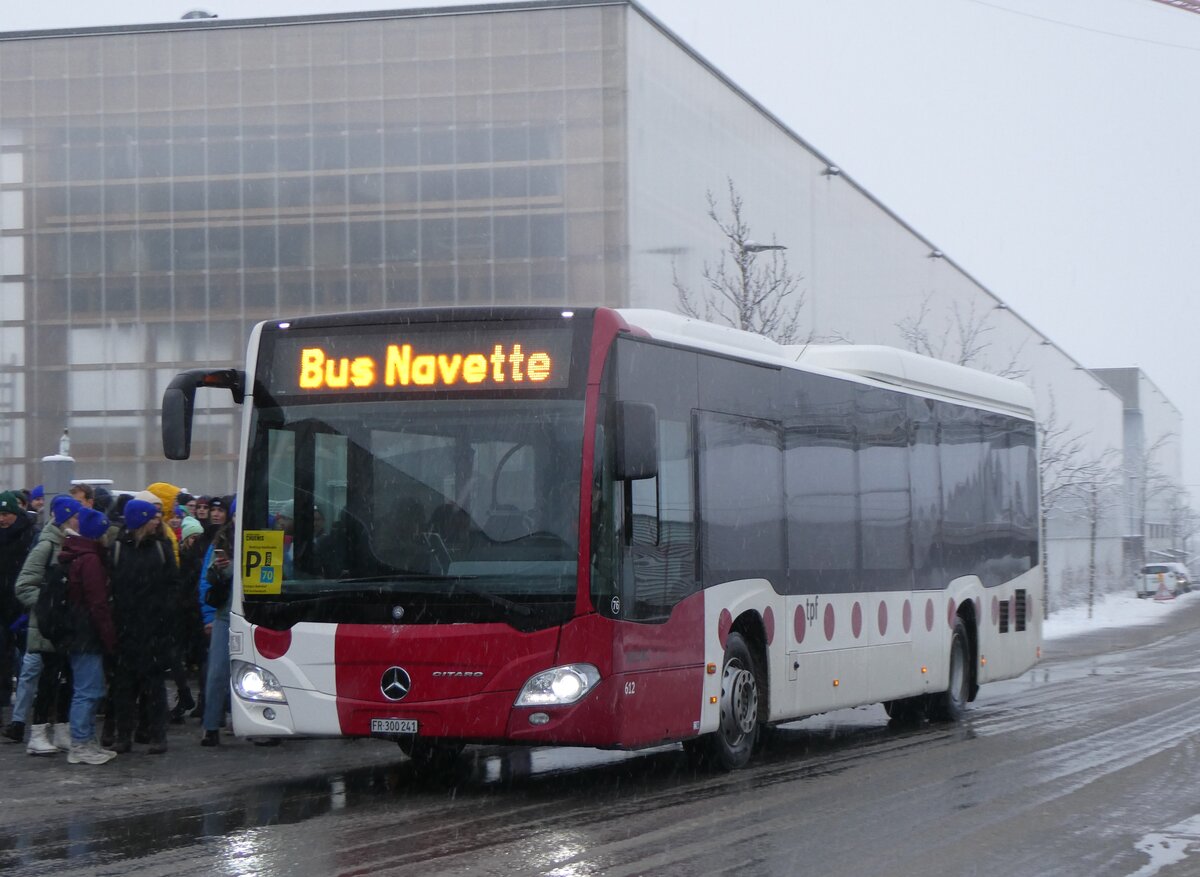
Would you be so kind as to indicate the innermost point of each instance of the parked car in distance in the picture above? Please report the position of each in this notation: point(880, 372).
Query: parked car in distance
point(1174, 575)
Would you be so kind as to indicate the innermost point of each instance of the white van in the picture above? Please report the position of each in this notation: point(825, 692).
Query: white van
point(1174, 576)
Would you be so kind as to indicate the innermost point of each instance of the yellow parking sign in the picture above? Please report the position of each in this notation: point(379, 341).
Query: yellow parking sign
point(262, 561)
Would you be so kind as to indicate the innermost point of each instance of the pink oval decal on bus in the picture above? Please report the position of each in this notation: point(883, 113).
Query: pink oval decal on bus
point(724, 623)
point(272, 644)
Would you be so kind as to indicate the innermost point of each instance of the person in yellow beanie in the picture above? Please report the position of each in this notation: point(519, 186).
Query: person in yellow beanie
point(164, 498)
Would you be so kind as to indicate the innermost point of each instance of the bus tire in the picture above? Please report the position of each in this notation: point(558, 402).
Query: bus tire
point(437, 754)
point(906, 711)
point(951, 704)
point(732, 744)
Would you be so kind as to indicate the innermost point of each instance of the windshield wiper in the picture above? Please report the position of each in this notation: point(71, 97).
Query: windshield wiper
point(400, 574)
point(494, 599)
point(460, 583)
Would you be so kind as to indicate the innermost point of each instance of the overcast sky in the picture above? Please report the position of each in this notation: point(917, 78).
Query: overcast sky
point(1050, 147)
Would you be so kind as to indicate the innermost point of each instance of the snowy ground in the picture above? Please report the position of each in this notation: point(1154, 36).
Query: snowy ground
point(1111, 610)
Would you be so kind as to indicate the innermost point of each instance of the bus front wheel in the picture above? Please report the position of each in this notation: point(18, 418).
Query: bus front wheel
point(438, 754)
point(730, 746)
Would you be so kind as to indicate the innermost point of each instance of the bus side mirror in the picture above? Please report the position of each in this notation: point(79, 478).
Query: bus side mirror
point(179, 402)
point(636, 425)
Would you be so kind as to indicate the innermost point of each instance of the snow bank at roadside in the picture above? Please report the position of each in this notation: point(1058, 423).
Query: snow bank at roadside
point(1111, 610)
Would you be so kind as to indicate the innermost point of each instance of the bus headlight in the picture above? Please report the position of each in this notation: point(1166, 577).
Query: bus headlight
point(559, 686)
point(255, 683)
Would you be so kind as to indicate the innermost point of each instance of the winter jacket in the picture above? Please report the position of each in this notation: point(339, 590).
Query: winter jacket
point(15, 542)
point(189, 639)
point(145, 589)
point(210, 573)
point(88, 592)
point(29, 582)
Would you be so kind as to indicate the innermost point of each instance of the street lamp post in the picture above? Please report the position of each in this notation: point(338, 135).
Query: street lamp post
point(752, 247)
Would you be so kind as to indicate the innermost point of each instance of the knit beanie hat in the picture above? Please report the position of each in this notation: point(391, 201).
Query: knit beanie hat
point(92, 524)
point(62, 507)
point(38, 492)
point(190, 527)
point(138, 512)
point(9, 504)
point(147, 496)
point(165, 493)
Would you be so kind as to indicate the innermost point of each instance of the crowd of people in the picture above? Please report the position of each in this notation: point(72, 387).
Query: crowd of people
point(148, 585)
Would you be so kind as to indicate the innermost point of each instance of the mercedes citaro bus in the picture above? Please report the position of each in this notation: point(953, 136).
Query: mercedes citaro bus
point(614, 528)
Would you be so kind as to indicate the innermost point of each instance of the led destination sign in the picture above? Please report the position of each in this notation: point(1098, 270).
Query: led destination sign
point(404, 358)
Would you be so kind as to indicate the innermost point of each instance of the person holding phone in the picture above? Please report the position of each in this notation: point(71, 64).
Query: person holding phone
point(216, 593)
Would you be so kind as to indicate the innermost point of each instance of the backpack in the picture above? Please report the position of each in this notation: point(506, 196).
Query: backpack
point(53, 608)
point(114, 553)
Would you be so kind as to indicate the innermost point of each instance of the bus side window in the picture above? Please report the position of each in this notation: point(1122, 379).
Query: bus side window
point(658, 567)
point(663, 546)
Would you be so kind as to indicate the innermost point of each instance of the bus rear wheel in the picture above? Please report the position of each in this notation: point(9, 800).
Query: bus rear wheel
point(731, 745)
point(951, 704)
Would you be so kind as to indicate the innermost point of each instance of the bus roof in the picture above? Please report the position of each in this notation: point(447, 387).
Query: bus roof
point(888, 365)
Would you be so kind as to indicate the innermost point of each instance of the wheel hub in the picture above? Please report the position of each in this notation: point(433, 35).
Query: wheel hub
point(739, 701)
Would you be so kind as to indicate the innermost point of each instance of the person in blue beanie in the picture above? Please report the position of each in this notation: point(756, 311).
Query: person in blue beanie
point(45, 679)
point(145, 584)
point(93, 636)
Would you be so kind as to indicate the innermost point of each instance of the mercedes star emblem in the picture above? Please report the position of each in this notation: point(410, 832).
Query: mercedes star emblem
point(395, 683)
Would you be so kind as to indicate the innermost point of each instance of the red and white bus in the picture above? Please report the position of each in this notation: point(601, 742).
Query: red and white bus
point(614, 528)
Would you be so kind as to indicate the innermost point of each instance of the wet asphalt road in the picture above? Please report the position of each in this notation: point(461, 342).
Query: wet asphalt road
point(1085, 766)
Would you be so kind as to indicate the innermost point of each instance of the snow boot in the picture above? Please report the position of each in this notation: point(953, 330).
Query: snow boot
point(62, 736)
point(14, 731)
point(39, 741)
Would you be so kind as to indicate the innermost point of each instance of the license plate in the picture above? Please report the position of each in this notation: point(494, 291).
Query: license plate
point(393, 726)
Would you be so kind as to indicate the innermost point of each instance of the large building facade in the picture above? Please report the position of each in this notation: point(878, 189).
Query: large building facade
point(164, 187)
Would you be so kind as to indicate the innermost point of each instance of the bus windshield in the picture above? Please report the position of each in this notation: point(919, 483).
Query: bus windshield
point(420, 511)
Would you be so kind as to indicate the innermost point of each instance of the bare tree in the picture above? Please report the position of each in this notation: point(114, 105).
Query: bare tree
point(1183, 520)
point(962, 340)
point(1064, 470)
point(1146, 481)
point(747, 288)
point(1094, 495)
